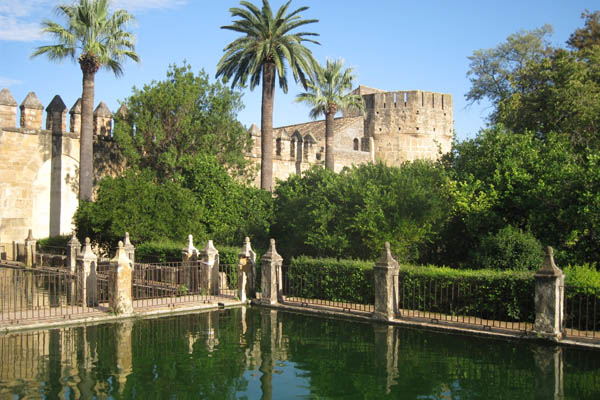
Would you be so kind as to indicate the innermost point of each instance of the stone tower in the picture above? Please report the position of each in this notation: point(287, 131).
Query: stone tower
point(408, 125)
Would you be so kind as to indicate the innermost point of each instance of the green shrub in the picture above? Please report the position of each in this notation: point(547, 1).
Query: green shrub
point(509, 248)
point(499, 295)
point(330, 279)
point(54, 241)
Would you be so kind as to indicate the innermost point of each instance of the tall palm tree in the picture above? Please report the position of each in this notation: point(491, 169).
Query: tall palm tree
point(326, 94)
point(96, 39)
point(265, 48)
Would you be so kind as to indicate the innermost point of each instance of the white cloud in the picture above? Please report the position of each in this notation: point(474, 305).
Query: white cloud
point(6, 82)
point(20, 19)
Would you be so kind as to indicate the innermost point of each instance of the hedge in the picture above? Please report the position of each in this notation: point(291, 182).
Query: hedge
point(490, 294)
point(330, 279)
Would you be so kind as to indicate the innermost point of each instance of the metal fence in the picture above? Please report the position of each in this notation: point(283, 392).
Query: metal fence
point(463, 302)
point(27, 294)
point(310, 289)
point(581, 312)
point(170, 283)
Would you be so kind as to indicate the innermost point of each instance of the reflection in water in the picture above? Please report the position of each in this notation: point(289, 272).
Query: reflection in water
point(262, 353)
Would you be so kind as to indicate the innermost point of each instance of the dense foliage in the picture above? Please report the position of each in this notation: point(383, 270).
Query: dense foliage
point(168, 124)
point(352, 214)
point(209, 205)
point(330, 279)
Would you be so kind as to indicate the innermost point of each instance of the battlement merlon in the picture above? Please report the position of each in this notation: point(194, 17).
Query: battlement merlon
point(412, 99)
point(31, 117)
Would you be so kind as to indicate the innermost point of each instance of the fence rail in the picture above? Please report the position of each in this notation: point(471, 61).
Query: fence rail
point(310, 289)
point(581, 312)
point(170, 283)
point(39, 294)
point(464, 302)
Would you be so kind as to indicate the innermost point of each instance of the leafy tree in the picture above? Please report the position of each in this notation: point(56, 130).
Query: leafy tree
point(491, 70)
point(328, 94)
point(352, 214)
point(170, 122)
point(101, 40)
point(262, 52)
point(589, 35)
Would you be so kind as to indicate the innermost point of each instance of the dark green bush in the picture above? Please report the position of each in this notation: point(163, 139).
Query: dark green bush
point(499, 295)
point(509, 248)
point(54, 241)
point(330, 279)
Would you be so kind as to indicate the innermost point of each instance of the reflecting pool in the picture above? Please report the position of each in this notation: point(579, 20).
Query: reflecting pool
point(259, 353)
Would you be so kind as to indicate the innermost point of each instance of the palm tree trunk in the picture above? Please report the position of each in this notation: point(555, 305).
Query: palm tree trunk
point(266, 127)
point(86, 149)
point(329, 159)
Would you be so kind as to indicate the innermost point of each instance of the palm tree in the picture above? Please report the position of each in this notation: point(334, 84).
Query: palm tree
point(265, 48)
point(328, 93)
point(96, 39)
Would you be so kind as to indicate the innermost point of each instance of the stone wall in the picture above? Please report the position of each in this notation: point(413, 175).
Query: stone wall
point(39, 168)
point(395, 127)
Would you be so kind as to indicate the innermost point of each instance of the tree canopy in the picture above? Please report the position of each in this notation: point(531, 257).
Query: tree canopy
point(169, 123)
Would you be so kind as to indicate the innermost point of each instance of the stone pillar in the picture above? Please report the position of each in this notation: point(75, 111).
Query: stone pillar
point(549, 298)
point(75, 120)
point(386, 270)
point(246, 271)
point(270, 283)
point(31, 112)
point(102, 120)
point(56, 122)
point(210, 261)
point(191, 269)
point(30, 243)
point(549, 376)
point(86, 268)
point(120, 280)
point(8, 110)
point(73, 248)
point(129, 248)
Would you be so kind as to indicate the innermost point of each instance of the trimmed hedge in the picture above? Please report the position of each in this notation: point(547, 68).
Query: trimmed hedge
point(490, 294)
point(330, 279)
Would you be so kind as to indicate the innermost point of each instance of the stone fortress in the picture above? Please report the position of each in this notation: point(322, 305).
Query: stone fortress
point(39, 167)
point(396, 127)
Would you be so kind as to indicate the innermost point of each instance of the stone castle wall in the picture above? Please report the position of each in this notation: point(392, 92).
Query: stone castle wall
point(395, 127)
point(39, 168)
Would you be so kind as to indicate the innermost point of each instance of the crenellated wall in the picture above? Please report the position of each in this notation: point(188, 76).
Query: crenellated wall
point(395, 127)
point(39, 167)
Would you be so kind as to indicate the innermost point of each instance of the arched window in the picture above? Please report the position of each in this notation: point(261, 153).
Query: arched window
point(356, 144)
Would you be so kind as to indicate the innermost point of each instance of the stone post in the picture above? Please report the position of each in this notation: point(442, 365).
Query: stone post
point(385, 273)
point(189, 256)
point(86, 267)
point(30, 243)
point(549, 298)
point(271, 263)
point(210, 261)
point(73, 248)
point(120, 298)
point(246, 271)
point(129, 248)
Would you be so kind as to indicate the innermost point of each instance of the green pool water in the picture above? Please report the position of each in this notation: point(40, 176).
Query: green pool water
point(258, 353)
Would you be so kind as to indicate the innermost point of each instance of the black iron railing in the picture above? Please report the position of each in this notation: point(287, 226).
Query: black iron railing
point(582, 312)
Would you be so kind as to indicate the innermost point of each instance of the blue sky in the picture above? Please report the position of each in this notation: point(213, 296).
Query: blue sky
point(392, 44)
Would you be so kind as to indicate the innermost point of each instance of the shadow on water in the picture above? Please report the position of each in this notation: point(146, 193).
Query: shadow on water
point(261, 353)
